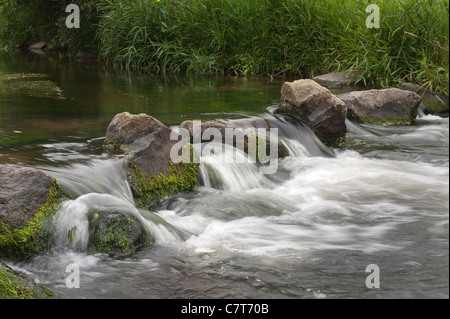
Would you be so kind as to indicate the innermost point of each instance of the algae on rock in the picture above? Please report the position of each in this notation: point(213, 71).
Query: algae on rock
point(148, 189)
point(147, 144)
point(14, 286)
point(114, 230)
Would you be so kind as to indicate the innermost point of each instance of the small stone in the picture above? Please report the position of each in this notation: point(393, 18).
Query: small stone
point(337, 79)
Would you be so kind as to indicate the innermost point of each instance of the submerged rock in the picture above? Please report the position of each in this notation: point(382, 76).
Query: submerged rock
point(28, 199)
point(115, 230)
point(31, 84)
point(384, 107)
point(316, 105)
point(151, 172)
point(103, 223)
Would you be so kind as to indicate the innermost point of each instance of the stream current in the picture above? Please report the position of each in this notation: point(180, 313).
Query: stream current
point(307, 231)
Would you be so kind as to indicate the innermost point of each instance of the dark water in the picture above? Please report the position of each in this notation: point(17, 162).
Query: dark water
point(307, 231)
point(45, 102)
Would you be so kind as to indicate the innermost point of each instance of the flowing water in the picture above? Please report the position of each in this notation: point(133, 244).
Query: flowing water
point(307, 231)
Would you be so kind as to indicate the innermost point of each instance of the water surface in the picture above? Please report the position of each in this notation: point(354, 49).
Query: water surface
point(307, 231)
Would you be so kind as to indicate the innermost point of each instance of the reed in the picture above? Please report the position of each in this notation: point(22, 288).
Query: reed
point(274, 37)
point(300, 38)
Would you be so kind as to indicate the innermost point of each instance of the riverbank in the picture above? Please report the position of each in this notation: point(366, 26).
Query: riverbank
point(261, 38)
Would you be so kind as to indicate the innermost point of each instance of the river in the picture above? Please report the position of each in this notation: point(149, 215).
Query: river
point(308, 231)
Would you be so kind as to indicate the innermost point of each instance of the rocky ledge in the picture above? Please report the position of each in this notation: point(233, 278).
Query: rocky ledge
point(326, 113)
point(226, 132)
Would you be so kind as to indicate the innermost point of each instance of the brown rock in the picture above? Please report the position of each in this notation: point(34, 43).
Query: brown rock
point(146, 138)
point(315, 104)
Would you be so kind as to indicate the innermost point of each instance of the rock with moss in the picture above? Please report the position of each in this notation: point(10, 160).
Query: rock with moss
point(382, 107)
point(258, 123)
point(148, 190)
point(115, 230)
point(227, 131)
point(101, 223)
point(15, 285)
point(432, 102)
point(152, 172)
point(317, 106)
point(29, 198)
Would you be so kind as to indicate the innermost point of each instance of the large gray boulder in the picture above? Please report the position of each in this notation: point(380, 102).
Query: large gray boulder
point(152, 173)
point(384, 107)
point(315, 104)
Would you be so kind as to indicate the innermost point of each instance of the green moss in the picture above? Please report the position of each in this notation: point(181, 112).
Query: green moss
point(30, 84)
point(116, 231)
point(34, 237)
point(337, 142)
point(13, 286)
point(435, 108)
point(283, 151)
point(70, 236)
point(385, 121)
point(116, 146)
point(147, 189)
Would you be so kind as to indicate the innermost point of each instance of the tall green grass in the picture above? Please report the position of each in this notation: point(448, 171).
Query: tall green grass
point(275, 37)
point(300, 38)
